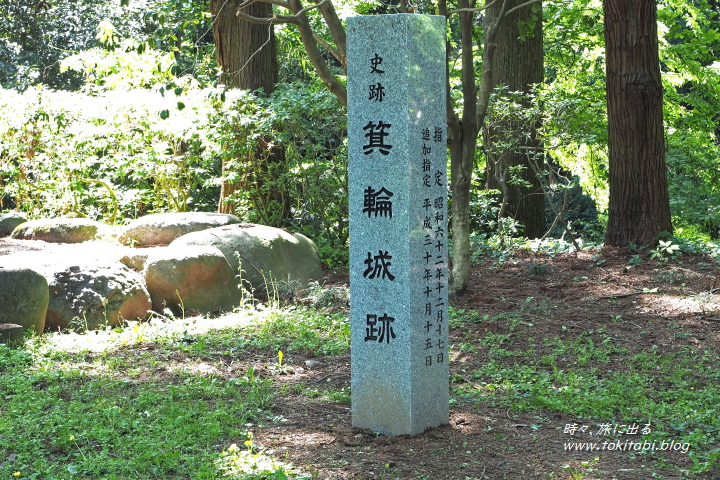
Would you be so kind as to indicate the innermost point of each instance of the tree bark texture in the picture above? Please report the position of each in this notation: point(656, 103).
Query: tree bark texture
point(518, 65)
point(245, 51)
point(462, 135)
point(246, 54)
point(639, 207)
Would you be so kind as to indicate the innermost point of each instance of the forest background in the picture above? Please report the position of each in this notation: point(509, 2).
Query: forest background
point(111, 110)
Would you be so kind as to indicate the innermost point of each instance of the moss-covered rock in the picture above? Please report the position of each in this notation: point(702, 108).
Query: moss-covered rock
point(163, 228)
point(24, 296)
point(89, 297)
point(9, 221)
point(11, 334)
point(191, 278)
point(264, 254)
point(62, 230)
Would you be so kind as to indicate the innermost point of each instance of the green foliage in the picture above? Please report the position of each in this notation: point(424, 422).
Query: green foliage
point(575, 90)
point(128, 65)
point(140, 151)
point(36, 36)
point(309, 126)
point(665, 250)
point(246, 464)
point(689, 42)
point(691, 81)
point(309, 331)
point(104, 405)
point(117, 159)
point(548, 118)
point(86, 420)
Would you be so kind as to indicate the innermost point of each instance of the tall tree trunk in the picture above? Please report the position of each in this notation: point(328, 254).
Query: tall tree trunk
point(246, 54)
point(518, 65)
point(462, 136)
point(639, 207)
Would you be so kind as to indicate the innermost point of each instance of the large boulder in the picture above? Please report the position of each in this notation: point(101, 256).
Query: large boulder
point(24, 298)
point(10, 220)
point(264, 254)
point(191, 278)
point(88, 297)
point(62, 230)
point(163, 228)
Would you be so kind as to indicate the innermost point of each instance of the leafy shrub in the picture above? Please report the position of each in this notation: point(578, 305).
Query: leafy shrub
point(310, 127)
point(116, 154)
point(107, 156)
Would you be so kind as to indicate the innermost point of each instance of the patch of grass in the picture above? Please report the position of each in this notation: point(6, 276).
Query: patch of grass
point(250, 463)
point(309, 331)
point(111, 405)
point(340, 396)
point(589, 376)
point(460, 317)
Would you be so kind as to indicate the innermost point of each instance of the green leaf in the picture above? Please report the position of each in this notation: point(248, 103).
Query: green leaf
point(180, 105)
point(164, 114)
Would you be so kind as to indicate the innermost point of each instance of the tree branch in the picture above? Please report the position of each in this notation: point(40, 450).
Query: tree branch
point(279, 3)
point(477, 9)
point(329, 48)
point(316, 58)
point(336, 30)
point(518, 7)
point(487, 79)
point(276, 18)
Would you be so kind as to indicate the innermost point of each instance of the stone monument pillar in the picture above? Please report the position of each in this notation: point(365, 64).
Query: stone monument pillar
point(398, 222)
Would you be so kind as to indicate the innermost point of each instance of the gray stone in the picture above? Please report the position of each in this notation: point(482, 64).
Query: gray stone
point(11, 334)
point(163, 228)
point(62, 230)
point(191, 278)
point(314, 364)
point(265, 254)
point(23, 298)
point(88, 297)
point(398, 222)
point(10, 220)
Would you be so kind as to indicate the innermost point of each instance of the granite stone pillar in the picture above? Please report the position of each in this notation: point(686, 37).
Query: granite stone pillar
point(398, 222)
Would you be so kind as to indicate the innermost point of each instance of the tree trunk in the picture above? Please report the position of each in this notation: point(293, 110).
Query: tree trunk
point(247, 57)
point(462, 135)
point(245, 51)
point(518, 65)
point(639, 207)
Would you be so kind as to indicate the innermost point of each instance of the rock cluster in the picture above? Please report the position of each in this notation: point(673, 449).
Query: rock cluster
point(197, 262)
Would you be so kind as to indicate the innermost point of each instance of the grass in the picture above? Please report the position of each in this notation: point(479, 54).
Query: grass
point(589, 376)
point(150, 400)
point(174, 400)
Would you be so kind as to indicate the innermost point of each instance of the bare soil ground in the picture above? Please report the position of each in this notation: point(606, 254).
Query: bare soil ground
point(556, 297)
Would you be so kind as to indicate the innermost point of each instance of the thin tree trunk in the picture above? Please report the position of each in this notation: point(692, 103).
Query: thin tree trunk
point(461, 138)
point(639, 208)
